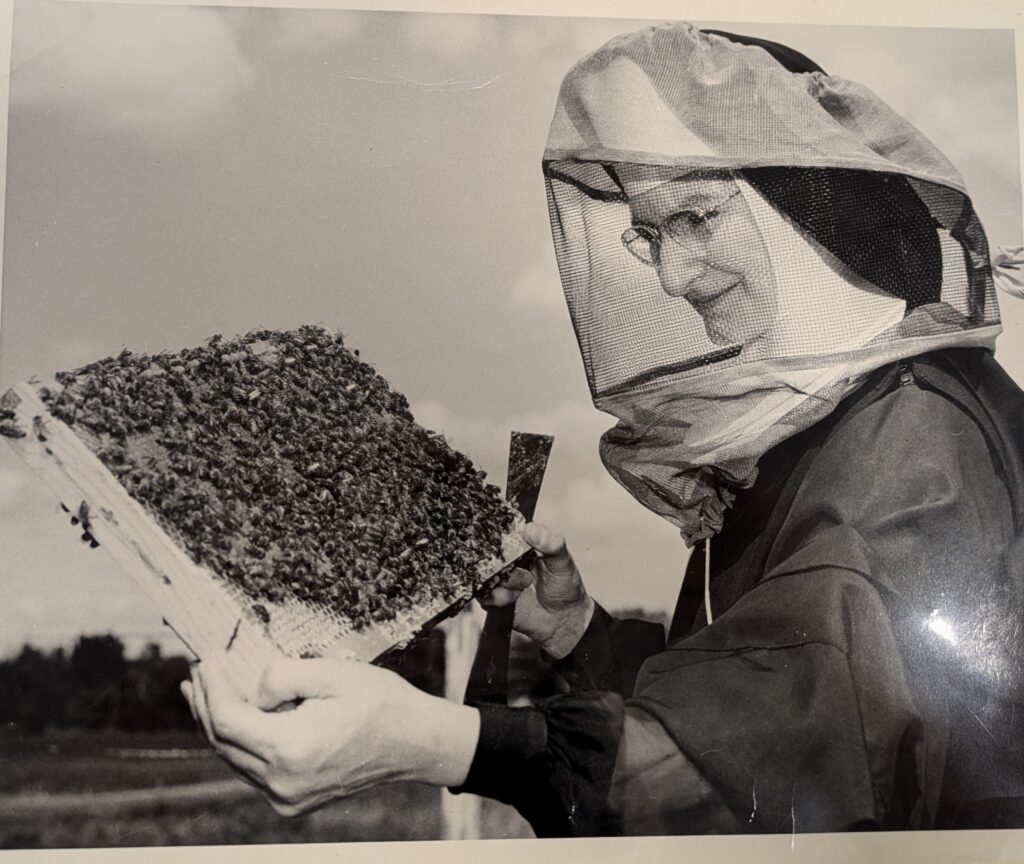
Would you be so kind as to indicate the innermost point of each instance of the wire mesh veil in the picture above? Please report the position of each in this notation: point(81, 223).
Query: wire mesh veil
point(739, 244)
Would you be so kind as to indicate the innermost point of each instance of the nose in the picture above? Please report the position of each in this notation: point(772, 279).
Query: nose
point(679, 268)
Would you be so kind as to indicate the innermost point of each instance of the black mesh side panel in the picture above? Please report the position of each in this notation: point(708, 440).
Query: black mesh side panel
point(874, 223)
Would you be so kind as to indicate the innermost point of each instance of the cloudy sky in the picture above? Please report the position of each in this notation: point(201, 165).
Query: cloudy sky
point(176, 172)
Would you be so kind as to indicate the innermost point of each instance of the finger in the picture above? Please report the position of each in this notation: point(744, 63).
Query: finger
point(514, 581)
point(228, 718)
point(517, 579)
point(499, 597)
point(186, 691)
point(551, 545)
point(199, 703)
point(292, 678)
point(248, 766)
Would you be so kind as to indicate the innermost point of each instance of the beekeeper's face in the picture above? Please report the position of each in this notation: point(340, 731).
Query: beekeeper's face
point(700, 236)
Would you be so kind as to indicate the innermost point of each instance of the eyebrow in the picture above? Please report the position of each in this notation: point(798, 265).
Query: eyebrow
point(686, 206)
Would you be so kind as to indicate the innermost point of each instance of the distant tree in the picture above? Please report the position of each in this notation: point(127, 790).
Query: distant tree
point(95, 687)
point(150, 696)
point(97, 665)
point(659, 617)
point(98, 661)
point(34, 690)
point(57, 688)
point(169, 709)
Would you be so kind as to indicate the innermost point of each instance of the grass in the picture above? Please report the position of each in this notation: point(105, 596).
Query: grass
point(75, 761)
point(405, 812)
point(70, 762)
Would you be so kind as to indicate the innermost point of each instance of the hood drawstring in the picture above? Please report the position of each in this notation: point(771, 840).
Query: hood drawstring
point(707, 579)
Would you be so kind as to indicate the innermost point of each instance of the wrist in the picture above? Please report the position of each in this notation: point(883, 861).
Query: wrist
point(571, 629)
point(437, 740)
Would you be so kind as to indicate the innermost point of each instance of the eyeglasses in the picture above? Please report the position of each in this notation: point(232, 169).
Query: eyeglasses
point(686, 227)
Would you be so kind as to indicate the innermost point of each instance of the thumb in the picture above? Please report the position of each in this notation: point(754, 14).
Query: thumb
point(290, 679)
point(551, 545)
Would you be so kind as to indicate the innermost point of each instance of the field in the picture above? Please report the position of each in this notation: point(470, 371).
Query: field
point(85, 789)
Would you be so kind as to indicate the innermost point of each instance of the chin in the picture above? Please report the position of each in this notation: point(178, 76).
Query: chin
point(719, 338)
point(724, 336)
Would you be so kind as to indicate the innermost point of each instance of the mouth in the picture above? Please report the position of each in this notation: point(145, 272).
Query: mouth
point(702, 300)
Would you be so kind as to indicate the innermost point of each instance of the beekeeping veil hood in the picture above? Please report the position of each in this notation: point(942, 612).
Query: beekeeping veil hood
point(804, 235)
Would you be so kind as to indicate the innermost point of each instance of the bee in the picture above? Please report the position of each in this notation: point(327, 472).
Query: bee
point(39, 428)
point(9, 430)
point(82, 516)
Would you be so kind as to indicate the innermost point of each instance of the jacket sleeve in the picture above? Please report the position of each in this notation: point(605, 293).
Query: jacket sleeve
point(610, 653)
point(756, 726)
point(821, 700)
point(575, 737)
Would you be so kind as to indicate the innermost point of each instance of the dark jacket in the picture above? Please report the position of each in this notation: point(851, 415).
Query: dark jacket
point(864, 665)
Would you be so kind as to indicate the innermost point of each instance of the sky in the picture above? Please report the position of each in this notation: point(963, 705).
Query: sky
point(176, 172)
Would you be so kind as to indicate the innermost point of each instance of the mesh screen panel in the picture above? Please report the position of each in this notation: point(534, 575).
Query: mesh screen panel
point(859, 257)
point(739, 245)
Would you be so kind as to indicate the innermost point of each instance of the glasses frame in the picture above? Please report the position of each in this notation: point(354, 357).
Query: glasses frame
point(632, 236)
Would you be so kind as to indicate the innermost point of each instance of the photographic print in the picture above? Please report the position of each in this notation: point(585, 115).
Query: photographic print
point(427, 426)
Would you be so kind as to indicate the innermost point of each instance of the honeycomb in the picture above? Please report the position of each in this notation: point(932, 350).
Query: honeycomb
point(284, 464)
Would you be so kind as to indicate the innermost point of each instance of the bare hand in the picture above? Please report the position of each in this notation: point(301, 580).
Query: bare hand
point(356, 726)
point(552, 606)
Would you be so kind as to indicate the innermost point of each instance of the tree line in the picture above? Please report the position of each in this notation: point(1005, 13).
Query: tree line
point(94, 686)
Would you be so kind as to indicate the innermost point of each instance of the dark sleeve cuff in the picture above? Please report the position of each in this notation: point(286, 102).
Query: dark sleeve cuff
point(553, 763)
point(512, 741)
point(609, 654)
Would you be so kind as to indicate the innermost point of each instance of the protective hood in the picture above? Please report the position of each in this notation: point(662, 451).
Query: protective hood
point(739, 246)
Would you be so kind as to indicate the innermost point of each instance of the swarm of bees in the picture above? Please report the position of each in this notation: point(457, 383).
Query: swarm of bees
point(283, 463)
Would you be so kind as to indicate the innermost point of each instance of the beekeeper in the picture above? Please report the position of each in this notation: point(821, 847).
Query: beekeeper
point(782, 291)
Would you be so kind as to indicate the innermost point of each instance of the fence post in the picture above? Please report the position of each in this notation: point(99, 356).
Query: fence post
point(460, 814)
